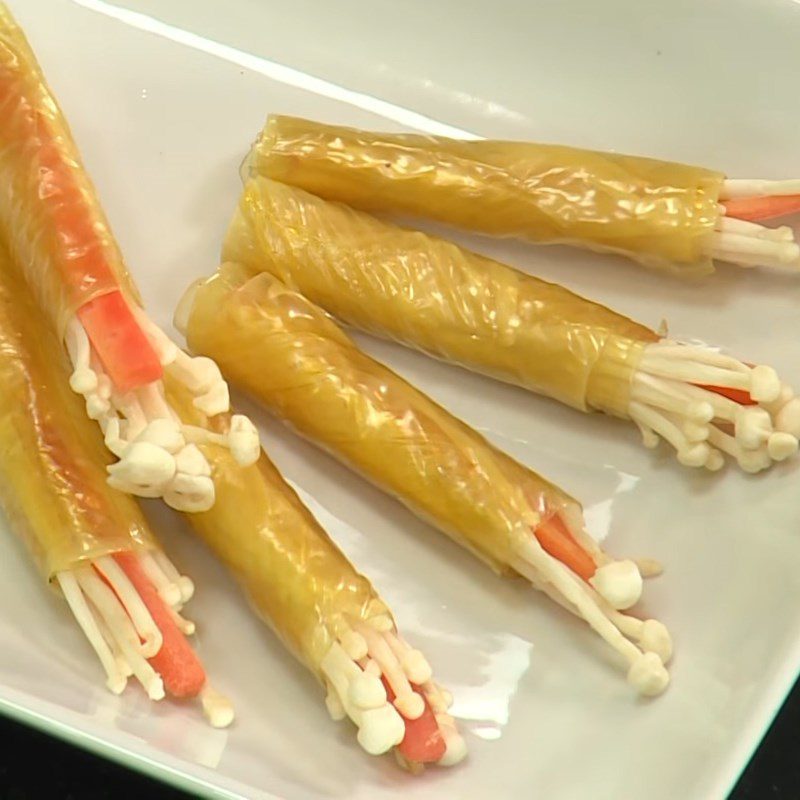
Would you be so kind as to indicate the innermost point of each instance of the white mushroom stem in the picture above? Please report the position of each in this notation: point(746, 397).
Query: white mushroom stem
point(749, 460)
point(690, 454)
point(115, 617)
point(123, 666)
point(668, 397)
point(334, 704)
point(668, 402)
point(83, 379)
point(115, 677)
point(413, 662)
point(202, 378)
point(785, 395)
point(370, 667)
point(787, 418)
point(121, 630)
point(185, 626)
point(167, 590)
point(241, 439)
point(650, 634)
point(354, 644)
point(146, 628)
point(128, 407)
point(700, 355)
point(379, 727)
point(761, 382)
point(744, 228)
point(407, 701)
point(183, 582)
point(748, 187)
point(153, 403)
point(749, 244)
point(144, 431)
point(354, 667)
point(217, 708)
point(646, 671)
point(751, 251)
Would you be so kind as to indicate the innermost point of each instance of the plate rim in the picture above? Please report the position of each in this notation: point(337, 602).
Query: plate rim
point(41, 715)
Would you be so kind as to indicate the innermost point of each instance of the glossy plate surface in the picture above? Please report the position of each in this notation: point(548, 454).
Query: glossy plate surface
point(164, 98)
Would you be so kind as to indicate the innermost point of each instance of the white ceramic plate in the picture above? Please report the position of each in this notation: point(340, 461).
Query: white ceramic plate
point(164, 98)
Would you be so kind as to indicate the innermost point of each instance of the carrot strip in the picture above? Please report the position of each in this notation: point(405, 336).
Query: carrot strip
point(124, 350)
point(556, 540)
point(739, 396)
point(759, 208)
point(423, 742)
point(121, 345)
point(176, 662)
point(60, 196)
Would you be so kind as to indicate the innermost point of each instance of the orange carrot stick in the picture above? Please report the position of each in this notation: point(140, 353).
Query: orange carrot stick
point(739, 396)
point(759, 208)
point(423, 742)
point(81, 261)
point(121, 345)
point(176, 662)
point(556, 540)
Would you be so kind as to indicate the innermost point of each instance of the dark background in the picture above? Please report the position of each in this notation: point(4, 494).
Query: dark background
point(36, 767)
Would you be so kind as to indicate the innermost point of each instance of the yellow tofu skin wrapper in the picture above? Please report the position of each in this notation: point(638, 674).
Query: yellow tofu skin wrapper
point(50, 216)
point(52, 472)
point(296, 578)
point(661, 214)
point(431, 294)
point(290, 355)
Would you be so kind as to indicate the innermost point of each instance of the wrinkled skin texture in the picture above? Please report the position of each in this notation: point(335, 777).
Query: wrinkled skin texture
point(49, 212)
point(296, 578)
point(289, 354)
point(658, 213)
point(433, 295)
point(52, 471)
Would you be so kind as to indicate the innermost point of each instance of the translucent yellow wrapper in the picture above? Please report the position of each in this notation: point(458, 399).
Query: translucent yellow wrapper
point(431, 294)
point(52, 478)
point(299, 582)
point(658, 213)
point(289, 354)
point(49, 214)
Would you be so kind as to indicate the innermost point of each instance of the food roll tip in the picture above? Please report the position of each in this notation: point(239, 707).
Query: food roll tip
point(706, 405)
point(384, 686)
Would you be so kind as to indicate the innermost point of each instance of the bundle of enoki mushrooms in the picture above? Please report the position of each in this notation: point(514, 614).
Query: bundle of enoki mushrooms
point(89, 541)
point(56, 230)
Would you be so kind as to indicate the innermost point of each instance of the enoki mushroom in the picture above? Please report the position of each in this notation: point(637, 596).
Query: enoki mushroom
point(127, 606)
point(158, 455)
point(708, 405)
point(386, 688)
point(597, 596)
point(739, 238)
